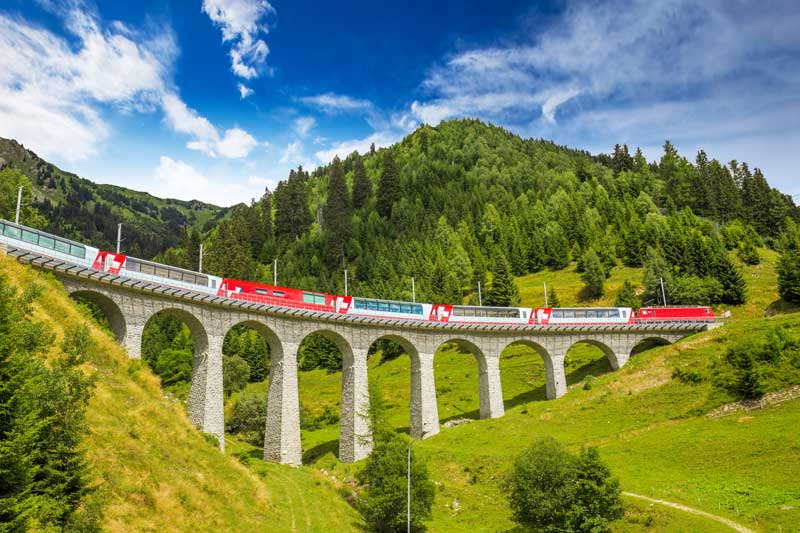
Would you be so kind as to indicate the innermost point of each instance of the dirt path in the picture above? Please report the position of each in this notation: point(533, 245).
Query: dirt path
point(730, 523)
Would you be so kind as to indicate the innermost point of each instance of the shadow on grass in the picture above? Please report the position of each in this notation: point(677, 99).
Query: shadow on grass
point(312, 454)
point(592, 368)
point(537, 394)
point(781, 307)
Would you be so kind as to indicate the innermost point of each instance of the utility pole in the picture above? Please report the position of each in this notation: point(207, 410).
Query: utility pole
point(275, 273)
point(545, 294)
point(480, 300)
point(200, 267)
point(663, 294)
point(119, 236)
point(19, 205)
point(408, 498)
point(345, 282)
point(413, 291)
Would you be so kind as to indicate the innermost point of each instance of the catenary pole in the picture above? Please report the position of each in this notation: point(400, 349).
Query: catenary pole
point(480, 299)
point(413, 291)
point(663, 294)
point(19, 205)
point(119, 236)
point(200, 266)
point(545, 294)
point(345, 282)
point(275, 273)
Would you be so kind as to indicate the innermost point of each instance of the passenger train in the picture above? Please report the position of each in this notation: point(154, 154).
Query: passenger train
point(119, 264)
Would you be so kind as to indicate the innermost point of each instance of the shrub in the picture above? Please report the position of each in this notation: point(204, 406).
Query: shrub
point(687, 375)
point(174, 366)
point(550, 489)
point(385, 478)
point(249, 418)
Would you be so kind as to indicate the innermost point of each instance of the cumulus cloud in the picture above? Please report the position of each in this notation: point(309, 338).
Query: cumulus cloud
point(242, 23)
point(176, 179)
point(53, 92)
point(302, 125)
point(244, 90)
point(50, 90)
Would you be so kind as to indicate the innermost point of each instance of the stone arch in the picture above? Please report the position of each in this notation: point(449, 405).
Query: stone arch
point(646, 343)
point(196, 328)
point(552, 371)
point(112, 312)
point(270, 337)
point(615, 359)
point(355, 436)
point(490, 390)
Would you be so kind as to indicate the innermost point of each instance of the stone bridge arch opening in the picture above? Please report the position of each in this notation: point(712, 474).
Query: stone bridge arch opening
point(456, 374)
point(397, 357)
point(104, 310)
point(326, 346)
point(523, 372)
point(247, 350)
point(587, 359)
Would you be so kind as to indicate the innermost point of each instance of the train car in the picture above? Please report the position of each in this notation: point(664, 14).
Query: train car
point(272, 295)
point(471, 314)
point(34, 240)
point(132, 267)
point(675, 314)
point(354, 305)
point(584, 315)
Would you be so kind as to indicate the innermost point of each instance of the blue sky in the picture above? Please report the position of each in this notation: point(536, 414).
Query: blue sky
point(217, 99)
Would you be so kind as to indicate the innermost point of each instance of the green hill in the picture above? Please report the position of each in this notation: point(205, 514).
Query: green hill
point(89, 212)
point(153, 471)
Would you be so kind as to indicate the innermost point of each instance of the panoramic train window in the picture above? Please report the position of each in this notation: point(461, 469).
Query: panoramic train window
point(11, 231)
point(47, 242)
point(262, 291)
point(279, 294)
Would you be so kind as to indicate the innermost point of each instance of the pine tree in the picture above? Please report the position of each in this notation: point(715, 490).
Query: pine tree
point(594, 274)
point(789, 267)
point(362, 185)
point(504, 292)
point(626, 296)
point(734, 286)
point(552, 298)
point(337, 213)
point(656, 269)
point(388, 186)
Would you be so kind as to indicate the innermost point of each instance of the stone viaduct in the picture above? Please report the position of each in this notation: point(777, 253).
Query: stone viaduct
point(129, 304)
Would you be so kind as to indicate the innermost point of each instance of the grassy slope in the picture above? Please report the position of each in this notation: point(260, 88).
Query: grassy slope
point(645, 423)
point(154, 472)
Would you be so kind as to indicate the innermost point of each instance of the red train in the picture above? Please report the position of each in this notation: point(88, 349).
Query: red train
point(317, 301)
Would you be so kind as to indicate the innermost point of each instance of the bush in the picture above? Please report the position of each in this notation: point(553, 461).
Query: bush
point(687, 375)
point(550, 489)
point(235, 374)
point(385, 478)
point(249, 418)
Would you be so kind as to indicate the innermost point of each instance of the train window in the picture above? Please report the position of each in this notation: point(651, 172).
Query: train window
point(177, 275)
point(372, 305)
point(213, 284)
point(47, 242)
point(77, 251)
point(62, 247)
point(29, 236)
point(524, 314)
point(395, 308)
point(262, 291)
point(579, 314)
point(319, 299)
point(132, 265)
point(383, 306)
point(11, 231)
point(615, 314)
point(308, 298)
point(279, 294)
point(557, 314)
point(147, 269)
point(162, 272)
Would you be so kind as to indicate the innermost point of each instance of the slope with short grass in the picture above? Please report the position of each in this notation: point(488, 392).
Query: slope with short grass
point(652, 428)
point(153, 471)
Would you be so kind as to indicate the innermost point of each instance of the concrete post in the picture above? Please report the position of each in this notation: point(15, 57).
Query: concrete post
point(424, 411)
point(355, 437)
point(206, 407)
point(556, 378)
point(491, 390)
point(282, 436)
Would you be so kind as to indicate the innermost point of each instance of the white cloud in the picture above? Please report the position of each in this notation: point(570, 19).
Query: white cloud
point(345, 148)
point(176, 179)
point(235, 143)
point(336, 103)
point(50, 89)
point(244, 90)
point(302, 125)
point(293, 153)
point(242, 22)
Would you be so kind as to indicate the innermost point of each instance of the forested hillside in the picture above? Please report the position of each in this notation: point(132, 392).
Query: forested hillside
point(465, 202)
point(88, 212)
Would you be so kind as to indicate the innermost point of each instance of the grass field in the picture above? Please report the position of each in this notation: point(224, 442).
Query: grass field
point(650, 428)
point(153, 471)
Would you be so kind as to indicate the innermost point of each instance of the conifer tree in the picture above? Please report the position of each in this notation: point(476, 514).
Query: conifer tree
point(626, 296)
point(362, 185)
point(552, 298)
point(656, 269)
point(594, 274)
point(734, 286)
point(504, 292)
point(337, 210)
point(789, 265)
point(388, 186)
